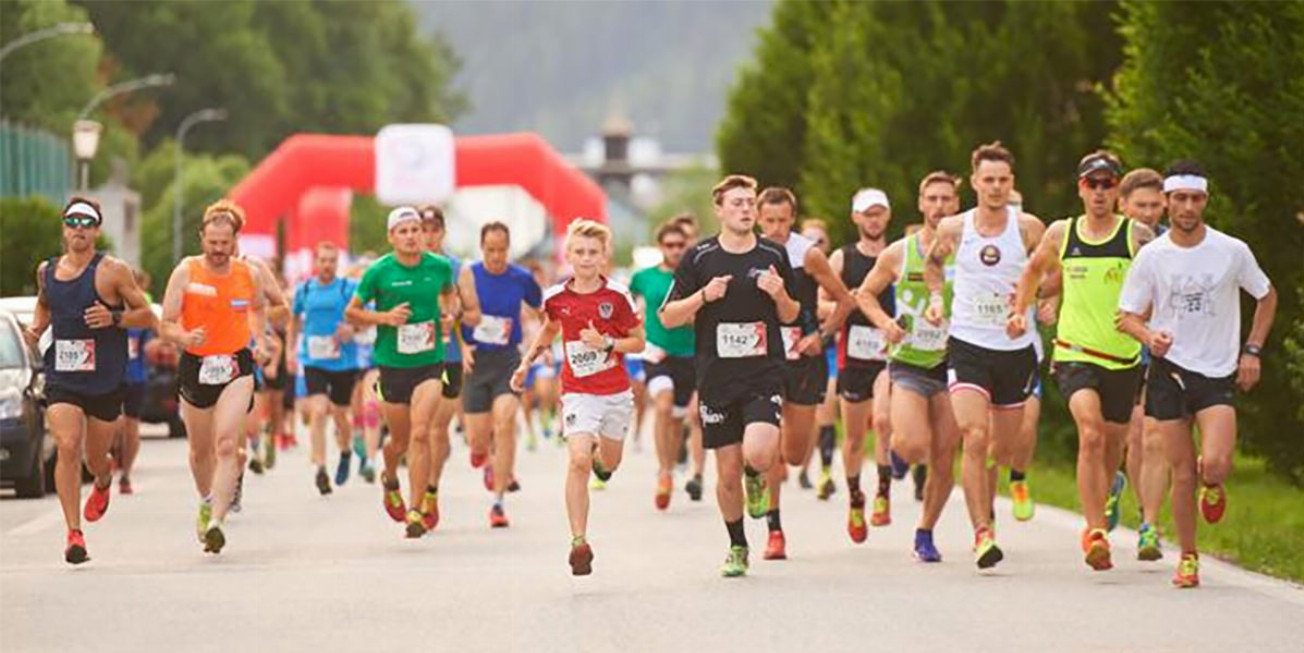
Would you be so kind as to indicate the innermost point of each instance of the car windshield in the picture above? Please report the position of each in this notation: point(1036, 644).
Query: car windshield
point(11, 343)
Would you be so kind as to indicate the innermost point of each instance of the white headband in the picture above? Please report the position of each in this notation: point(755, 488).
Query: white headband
point(400, 215)
point(82, 208)
point(1186, 182)
point(868, 198)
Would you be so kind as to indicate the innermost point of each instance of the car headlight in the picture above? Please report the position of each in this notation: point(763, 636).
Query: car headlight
point(11, 404)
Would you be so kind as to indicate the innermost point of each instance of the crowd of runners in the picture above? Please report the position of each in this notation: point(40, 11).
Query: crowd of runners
point(754, 343)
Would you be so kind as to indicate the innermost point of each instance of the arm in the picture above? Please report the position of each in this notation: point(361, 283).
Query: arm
point(356, 314)
point(948, 235)
point(886, 268)
point(170, 328)
point(774, 285)
point(292, 328)
point(258, 320)
point(137, 313)
point(1248, 372)
point(41, 316)
point(470, 299)
point(542, 341)
point(677, 313)
point(1045, 260)
point(819, 267)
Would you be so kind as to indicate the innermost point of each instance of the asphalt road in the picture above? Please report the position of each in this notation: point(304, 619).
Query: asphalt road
point(307, 573)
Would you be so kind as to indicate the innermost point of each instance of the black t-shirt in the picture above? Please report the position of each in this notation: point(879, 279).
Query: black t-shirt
point(738, 335)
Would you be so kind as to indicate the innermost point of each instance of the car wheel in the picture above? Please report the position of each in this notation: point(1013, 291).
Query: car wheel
point(33, 486)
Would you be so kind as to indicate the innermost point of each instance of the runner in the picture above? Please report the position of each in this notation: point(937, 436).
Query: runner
point(214, 307)
point(128, 440)
point(490, 356)
point(329, 359)
point(990, 374)
point(687, 222)
point(1097, 366)
point(278, 313)
point(826, 415)
point(366, 405)
point(669, 359)
point(412, 290)
point(1187, 281)
point(1141, 199)
point(733, 288)
point(805, 376)
point(924, 427)
point(87, 300)
point(598, 323)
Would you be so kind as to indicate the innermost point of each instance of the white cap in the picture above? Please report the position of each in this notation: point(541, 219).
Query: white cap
point(84, 208)
point(867, 198)
point(402, 214)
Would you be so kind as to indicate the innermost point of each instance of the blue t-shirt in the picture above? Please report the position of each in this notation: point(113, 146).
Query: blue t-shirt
point(501, 296)
point(453, 351)
point(322, 309)
point(136, 339)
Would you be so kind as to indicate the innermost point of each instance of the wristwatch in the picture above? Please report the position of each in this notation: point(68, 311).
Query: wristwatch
point(611, 343)
point(117, 317)
point(1254, 350)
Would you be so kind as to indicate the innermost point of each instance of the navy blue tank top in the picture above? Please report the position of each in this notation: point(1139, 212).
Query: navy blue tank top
point(81, 359)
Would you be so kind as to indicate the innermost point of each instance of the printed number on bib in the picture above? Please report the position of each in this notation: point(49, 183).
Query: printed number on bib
point(217, 370)
point(74, 355)
point(991, 309)
point(416, 338)
point(927, 337)
point(323, 348)
point(741, 340)
point(493, 330)
point(587, 361)
point(791, 336)
point(864, 343)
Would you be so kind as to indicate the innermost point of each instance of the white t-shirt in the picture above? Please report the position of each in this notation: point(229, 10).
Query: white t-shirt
point(1196, 298)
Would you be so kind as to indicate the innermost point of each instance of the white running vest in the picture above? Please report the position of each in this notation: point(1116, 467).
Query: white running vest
point(986, 273)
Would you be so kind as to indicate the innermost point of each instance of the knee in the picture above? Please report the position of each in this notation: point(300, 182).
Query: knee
point(419, 435)
point(1091, 440)
point(1184, 475)
point(226, 448)
point(1153, 446)
point(910, 450)
point(581, 462)
point(1216, 469)
point(976, 439)
point(730, 478)
point(882, 426)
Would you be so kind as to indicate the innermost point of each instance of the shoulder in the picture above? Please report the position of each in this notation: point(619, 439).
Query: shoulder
point(951, 226)
point(554, 291)
point(1058, 228)
point(896, 250)
point(620, 290)
point(702, 249)
point(1029, 223)
point(771, 249)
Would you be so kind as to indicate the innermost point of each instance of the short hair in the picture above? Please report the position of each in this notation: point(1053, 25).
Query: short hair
point(586, 228)
point(492, 227)
point(1138, 179)
point(669, 228)
point(817, 223)
point(432, 213)
point(325, 245)
point(685, 218)
point(992, 151)
point(729, 183)
point(1185, 167)
point(777, 195)
point(940, 177)
point(224, 211)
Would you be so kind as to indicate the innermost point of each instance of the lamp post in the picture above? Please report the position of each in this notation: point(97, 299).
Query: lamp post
point(52, 31)
point(89, 130)
point(178, 190)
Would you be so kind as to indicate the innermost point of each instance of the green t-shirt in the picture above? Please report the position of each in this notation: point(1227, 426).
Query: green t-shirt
point(653, 284)
point(390, 283)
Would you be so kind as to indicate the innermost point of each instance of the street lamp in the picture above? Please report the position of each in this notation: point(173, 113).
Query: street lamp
point(46, 33)
point(88, 131)
point(178, 190)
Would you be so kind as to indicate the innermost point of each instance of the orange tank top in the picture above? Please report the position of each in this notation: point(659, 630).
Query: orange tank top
point(220, 303)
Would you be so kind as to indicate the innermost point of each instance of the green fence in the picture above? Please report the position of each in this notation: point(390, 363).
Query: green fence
point(34, 162)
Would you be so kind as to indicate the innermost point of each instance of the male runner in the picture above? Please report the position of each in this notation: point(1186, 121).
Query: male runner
point(1187, 280)
point(329, 358)
point(1098, 368)
point(490, 356)
point(599, 323)
point(128, 441)
point(87, 300)
point(412, 290)
point(826, 414)
point(733, 289)
point(214, 308)
point(805, 376)
point(696, 452)
point(989, 373)
point(923, 422)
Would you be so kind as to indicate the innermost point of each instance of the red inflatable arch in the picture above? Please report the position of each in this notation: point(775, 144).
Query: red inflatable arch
point(309, 177)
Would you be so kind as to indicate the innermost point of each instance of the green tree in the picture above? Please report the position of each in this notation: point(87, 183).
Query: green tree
point(205, 179)
point(46, 83)
point(1223, 83)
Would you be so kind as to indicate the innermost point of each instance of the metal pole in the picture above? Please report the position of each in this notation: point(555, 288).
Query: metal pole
point(42, 34)
point(178, 188)
point(125, 87)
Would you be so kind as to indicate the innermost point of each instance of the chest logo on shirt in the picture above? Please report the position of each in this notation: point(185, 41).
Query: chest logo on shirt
point(605, 309)
point(990, 255)
point(1192, 297)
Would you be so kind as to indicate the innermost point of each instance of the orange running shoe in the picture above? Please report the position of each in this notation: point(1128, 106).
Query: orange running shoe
point(497, 517)
point(1213, 503)
point(665, 486)
point(1188, 571)
point(882, 511)
point(75, 553)
point(856, 526)
point(776, 547)
point(430, 510)
point(393, 501)
point(97, 503)
point(1097, 554)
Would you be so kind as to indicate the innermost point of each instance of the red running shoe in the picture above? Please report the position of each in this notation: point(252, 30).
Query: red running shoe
point(97, 503)
point(430, 511)
point(497, 518)
point(665, 486)
point(856, 526)
point(776, 547)
point(477, 459)
point(393, 501)
point(489, 478)
point(75, 553)
point(1213, 503)
point(581, 559)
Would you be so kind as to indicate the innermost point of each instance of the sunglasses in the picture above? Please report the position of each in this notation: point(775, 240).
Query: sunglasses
point(80, 222)
point(1100, 183)
point(674, 244)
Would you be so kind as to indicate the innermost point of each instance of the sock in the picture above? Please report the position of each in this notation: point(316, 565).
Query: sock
point(853, 484)
point(431, 489)
point(498, 502)
point(577, 540)
point(1016, 475)
point(737, 536)
point(884, 479)
point(346, 455)
point(751, 473)
point(772, 519)
point(828, 441)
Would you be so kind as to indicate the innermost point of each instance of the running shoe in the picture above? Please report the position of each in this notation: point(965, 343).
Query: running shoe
point(489, 477)
point(124, 486)
point(776, 547)
point(925, 551)
point(392, 499)
point(514, 486)
point(75, 552)
point(1188, 571)
point(323, 481)
point(665, 485)
point(1021, 496)
point(803, 480)
point(599, 470)
point(899, 466)
point(1111, 503)
point(205, 516)
point(97, 503)
point(827, 487)
point(986, 553)
point(415, 524)
point(342, 471)
point(1098, 555)
point(214, 538)
point(920, 476)
point(758, 499)
point(477, 459)
point(359, 446)
point(856, 526)
point(531, 442)
point(367, 472)
point(882, 511)
point(269, 451)
point(596, 483)
point(497, 518)
point(581, 559)
point(736, 564)
point(694, 488)
point(430, 510)
point(1148, 548)
point(236, 505)
point(1213, 503)
point(256, 465)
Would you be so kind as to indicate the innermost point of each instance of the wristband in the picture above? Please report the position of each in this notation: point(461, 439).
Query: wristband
point(611, 343)
point(1253, 350)
point(117, 317)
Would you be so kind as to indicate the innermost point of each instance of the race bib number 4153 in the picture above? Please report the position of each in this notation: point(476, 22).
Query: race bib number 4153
point(74, 355)
point(741, 340)
point(864, 343)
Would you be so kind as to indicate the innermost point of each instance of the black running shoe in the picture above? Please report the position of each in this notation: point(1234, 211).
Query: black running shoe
point(323, 481)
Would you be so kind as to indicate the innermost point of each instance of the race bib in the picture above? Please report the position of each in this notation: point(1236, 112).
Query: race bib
point(587, 361)
point(990, 309)
point(133, 348)
point(493, 330)
point(864, 343)
point(653, 354)
point(416, 338)
point(366, 336)
point(74, 355)
point(323, 348)
point(927, 337)
point(791, 335)
point(735, 340)
point(217, 370)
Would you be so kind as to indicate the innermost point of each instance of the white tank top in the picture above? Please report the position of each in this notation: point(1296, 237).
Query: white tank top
point(986, 273)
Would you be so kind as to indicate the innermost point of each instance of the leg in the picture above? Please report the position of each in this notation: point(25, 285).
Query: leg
point(99, 438)
point(855, 421)
point(318, 408)
point(1217, 426)
point(1134, 456)
point(424, 399)
point(228, 421)
point(1154, 471)
point(399, 419)
point(1026, 446)
point(577, 482)
point(1179, 448)
point(504, 440)
point(130, 445)
point(67, 425)
point(973, 417)
point(729, 482)
point(199, 434)
point(941, 459)
point(1093, 474)
point(440, 448)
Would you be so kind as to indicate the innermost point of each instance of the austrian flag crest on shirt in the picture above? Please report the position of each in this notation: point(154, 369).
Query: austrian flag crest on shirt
point(611, 310)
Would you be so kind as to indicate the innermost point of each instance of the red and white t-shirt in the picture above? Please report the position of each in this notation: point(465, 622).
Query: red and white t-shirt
point(613, 313)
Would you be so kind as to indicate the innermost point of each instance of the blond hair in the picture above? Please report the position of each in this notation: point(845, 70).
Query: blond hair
point(731, 182)
point(586, 228)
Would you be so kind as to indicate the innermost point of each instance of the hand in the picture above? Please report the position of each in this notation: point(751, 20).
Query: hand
point(292, 362)
point(1247, 374)
point(770, 283)
point(716, 287)
point(592, 338)
point(98, 316)
point(518, 378)
point(31, 337)
point(397, 316)
point(1047, 312)
point(468, 360)
point(344, 332)
point(1160, 343)
point(809, 345)
point(262, 352)
point(1016, 325)
point(446, 322)
point(935, 313)
point(893, 333)
point(194, 338)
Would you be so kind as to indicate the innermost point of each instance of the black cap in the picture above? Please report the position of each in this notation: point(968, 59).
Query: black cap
point(1098, 162)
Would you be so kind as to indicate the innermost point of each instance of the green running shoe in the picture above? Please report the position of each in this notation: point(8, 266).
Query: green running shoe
point(214, 539)
point(205, 515)
point(986, 553)
point(1115, 494)
point(1021, 496)
point(1147, 548)
point(736, 564)
point(758, 500)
